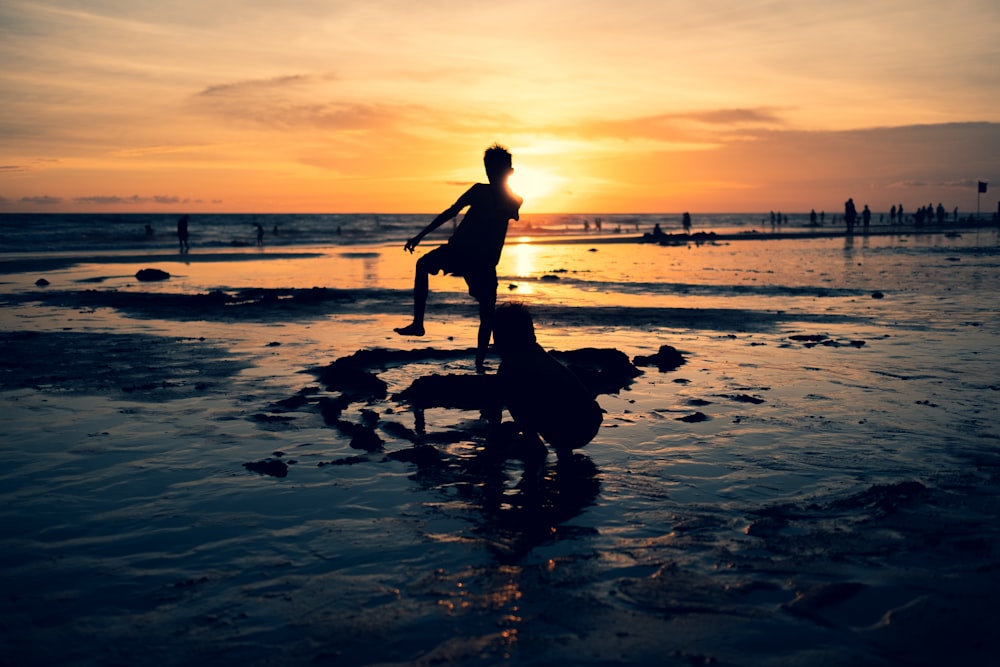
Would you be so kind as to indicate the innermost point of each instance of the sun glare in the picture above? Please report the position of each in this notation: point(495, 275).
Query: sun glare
point(535, 185)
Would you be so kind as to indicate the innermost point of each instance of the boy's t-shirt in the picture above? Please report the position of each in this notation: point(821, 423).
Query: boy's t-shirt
point(479, 238)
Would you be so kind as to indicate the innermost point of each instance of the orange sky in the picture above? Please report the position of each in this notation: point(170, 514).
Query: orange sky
point(386, 106)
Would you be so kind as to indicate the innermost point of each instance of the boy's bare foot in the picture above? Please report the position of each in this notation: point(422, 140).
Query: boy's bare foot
point(411, 330)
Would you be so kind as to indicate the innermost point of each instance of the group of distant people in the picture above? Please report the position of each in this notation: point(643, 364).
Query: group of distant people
point(183, 235)
point(929, 214)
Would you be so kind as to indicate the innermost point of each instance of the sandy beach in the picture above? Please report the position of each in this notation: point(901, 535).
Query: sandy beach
point(225, 467)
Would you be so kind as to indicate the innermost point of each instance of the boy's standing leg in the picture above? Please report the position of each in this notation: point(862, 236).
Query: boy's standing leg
point(486, 308)
point(483, 288)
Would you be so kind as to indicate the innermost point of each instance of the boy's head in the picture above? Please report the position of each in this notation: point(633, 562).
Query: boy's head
point(512, 328)
point(498, 162)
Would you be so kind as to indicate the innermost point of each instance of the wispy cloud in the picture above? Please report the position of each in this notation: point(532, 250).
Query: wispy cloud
point(297, 102)
point(115, 200)
point(42, 200)
point(256, 87)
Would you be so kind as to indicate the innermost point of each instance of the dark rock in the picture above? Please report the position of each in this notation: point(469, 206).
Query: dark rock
point(694, 418)
point(331, 408)
point(42, 282)
point(292, 402)
point(346, 461)
point(422, 455)
point(271, 467)
point(151, 275)
point(366, 439)
point(369, 418)
point(351, 378)
point(747, 398)
point(602, 370)
point(667, 358)
point(397, 430)
point(878, 295)
point(808, 338)
point(460, 392)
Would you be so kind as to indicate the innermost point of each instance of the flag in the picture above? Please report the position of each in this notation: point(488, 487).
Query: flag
point(982, 187)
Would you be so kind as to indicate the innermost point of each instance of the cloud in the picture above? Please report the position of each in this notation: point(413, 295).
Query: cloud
point(115, 200)
point(683, 129)
point(741, 117)
point(962, 185)
point(288, 103)
point(146, 151)
point(254, 87)
point(43, 200)
point(33, 165)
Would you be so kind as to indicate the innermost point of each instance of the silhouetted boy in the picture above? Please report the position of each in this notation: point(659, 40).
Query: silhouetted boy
point(473, 250)
point(543, 396)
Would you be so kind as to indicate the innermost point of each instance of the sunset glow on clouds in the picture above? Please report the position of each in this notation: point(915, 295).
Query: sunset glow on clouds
point(386, 106)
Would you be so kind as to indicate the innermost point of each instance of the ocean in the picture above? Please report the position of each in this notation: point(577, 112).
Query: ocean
point(73, 232)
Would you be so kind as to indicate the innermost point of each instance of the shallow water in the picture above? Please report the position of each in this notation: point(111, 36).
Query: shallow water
point(837, 505)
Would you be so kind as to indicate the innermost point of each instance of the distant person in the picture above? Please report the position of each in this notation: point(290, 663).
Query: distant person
point(544, 397)
point(892, 215)
point(812, 218)
point(182, 233)
point(850, 215)
point(866, 218)
point(260, 234)
point(149, 231)
point(686, 222)
point(474, 248)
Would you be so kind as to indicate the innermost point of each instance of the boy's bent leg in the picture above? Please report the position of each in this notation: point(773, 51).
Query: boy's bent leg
point(421, 288)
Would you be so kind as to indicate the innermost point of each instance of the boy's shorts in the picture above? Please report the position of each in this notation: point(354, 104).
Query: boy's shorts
point(482, 280)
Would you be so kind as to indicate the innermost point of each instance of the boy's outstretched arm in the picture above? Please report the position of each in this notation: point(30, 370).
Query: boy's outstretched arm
point(443, 217)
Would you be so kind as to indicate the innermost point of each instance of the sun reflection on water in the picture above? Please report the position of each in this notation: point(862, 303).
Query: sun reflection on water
point(522, 257)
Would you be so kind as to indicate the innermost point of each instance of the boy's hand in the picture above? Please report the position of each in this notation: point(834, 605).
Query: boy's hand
point(411, 244)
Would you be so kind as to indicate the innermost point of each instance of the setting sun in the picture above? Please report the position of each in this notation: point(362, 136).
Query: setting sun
point(538, 187)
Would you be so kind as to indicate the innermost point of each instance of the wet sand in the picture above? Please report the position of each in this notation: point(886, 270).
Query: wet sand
point(186, 480)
